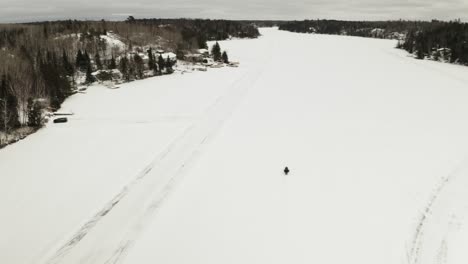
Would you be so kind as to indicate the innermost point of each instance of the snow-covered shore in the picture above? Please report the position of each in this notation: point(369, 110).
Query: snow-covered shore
point(188, 168)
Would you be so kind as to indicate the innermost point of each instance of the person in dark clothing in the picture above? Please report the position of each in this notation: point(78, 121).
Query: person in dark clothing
point(286, 171)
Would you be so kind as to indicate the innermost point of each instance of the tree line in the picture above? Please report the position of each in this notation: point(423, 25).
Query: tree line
point(201, 30)
point(373, 29)
point(447, 41)
point(436, 40)
point(39, 62)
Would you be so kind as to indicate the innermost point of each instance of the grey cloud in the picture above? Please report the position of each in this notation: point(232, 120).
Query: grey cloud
point(30, 10)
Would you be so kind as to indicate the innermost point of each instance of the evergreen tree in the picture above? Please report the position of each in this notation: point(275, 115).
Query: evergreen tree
point(79, 60)
point(97, 61)
point(112, 64)
point(130, 19)
point(151, 60)
point(225, 57)
point(131, 69)
point(86, 57)
point(82, 60)
point(201, 41)
point(67, 66)
point(161, 64)
point(139, 66)
point(216, 52)
point(57, 86)
point(89, 76)
point(169, 65)
point(34, 113)
point(124, 67)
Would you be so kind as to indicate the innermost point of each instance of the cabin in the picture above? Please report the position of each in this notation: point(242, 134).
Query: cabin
point(208, 61)
point(169, 55)
point(196, 57)
point(204, 52)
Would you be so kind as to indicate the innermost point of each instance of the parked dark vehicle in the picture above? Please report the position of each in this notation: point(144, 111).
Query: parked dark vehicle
point(61, 120)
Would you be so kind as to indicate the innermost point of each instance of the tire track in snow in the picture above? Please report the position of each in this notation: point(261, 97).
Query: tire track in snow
point(418, 236)
point(119, 255)
point(152, 189)
point(155, 203)
point(90, 224)
point(414, 255)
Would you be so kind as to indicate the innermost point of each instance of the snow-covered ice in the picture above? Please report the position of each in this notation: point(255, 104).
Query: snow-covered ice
point(188, 168)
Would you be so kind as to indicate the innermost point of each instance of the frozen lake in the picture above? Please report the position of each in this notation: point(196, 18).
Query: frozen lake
point(187, 169)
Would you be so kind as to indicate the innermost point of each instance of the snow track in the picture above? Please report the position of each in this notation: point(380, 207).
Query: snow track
point(108, 235)
point(83, 231)
point(441, 222)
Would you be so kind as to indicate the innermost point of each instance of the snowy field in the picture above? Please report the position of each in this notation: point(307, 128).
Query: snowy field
point(187, 169)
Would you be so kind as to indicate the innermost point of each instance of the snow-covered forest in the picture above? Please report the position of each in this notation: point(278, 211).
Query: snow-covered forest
point(44, 63)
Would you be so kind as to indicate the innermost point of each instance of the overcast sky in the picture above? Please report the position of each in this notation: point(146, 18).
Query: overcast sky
point(35, 10)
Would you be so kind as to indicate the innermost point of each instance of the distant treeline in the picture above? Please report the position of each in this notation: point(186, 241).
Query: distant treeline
point(266, 23)
point(436, 40)
point(206, 28)
point(40, 61)
point(375, 29)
